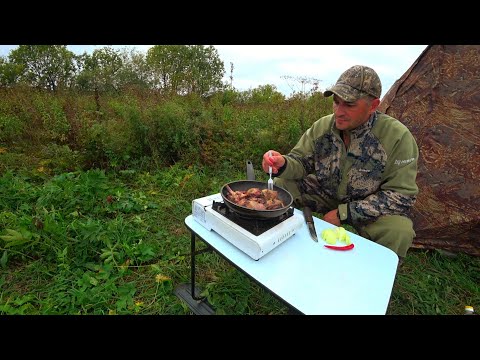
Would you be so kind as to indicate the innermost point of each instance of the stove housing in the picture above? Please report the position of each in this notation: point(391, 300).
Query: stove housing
point(255, 237)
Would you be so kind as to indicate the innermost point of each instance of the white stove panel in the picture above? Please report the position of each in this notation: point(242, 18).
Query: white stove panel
point(199, 207)
point(252, 245)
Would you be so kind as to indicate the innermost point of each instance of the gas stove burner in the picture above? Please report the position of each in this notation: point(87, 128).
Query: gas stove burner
point(254, 226)
point(275, 220)
point(225, 210)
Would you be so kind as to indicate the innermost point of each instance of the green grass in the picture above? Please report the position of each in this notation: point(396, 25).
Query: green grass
point(431, 283)
point(115, 243)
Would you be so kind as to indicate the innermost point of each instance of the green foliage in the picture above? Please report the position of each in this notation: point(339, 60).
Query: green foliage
point(135, 73)
point(432, 283)
point(44, 66)
point(54, 119)
point(264, 94)
point(109, 238)
point(185, 69)
point(16, 238)
point(72, 221)
point(125, 134)
point(98, 243)
point(138, 128)
point(16, 191)
point(11, 128)
point(19, 306)
point(61, 158)
point(9, 72)
point(100, 69)
point(168, 69)
point(20, 116)
point(93, 141)
point(171, 132)
point(228, 97)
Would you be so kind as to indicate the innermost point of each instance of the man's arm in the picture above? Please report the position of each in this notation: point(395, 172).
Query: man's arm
point(398, 192)
point(300, 160)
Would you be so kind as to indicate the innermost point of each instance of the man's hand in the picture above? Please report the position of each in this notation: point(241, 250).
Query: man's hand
point(276, 161)
point(332, 217)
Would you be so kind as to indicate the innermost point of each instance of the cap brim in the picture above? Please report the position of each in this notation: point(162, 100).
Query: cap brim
point(345, 92)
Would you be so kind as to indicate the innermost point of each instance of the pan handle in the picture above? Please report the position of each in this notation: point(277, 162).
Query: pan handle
point(250, 171)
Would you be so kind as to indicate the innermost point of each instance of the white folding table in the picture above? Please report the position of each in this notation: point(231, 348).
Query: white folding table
point(308, 277)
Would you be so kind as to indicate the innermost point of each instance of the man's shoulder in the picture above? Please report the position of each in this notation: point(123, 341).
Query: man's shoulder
point(326, 118)
point(325, 122)
point(393, 134)
point(388, 124)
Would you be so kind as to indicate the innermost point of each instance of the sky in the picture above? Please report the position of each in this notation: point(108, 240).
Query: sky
point(284, 66)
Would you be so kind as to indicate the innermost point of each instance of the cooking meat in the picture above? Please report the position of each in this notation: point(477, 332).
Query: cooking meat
point(256, 199)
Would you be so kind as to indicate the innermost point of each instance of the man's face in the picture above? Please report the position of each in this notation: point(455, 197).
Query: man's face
point(349, 115)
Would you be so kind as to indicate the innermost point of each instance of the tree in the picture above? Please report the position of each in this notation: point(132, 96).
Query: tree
point(184, 69)
point(99, 71)
point(263, 94)
point(204, 71)
point(166, 63)
point(44, 66)
point(135, 71)
point(9, 72)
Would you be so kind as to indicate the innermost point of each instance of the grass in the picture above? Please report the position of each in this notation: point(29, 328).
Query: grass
point(115, 243)
point(432, 283)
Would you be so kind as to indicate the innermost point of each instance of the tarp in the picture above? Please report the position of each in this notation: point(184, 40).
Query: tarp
point(438, 99)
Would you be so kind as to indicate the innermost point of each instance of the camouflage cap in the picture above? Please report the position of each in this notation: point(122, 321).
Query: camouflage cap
point(355, 83)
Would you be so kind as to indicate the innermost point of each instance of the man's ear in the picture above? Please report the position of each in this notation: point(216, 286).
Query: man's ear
point(375, 104)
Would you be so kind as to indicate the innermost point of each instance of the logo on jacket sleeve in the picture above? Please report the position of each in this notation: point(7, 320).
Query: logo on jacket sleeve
point(403, 162)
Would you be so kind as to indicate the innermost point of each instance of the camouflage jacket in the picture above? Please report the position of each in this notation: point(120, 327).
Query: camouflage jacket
point(377, 176)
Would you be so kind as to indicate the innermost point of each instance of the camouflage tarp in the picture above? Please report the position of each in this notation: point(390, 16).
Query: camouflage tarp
point(438, 99)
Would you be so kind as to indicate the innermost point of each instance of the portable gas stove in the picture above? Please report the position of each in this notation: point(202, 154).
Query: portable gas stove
point(255, 237)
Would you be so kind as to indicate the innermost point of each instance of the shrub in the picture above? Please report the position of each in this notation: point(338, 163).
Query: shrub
point(11, 128)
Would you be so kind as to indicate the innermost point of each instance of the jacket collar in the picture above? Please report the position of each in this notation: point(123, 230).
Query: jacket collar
point(367, 126)
point(362, 129)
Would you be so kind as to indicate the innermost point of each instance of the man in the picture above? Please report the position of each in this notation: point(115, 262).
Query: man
point(356, 166)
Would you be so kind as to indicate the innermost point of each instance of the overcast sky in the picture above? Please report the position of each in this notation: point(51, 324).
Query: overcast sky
point(256, 65)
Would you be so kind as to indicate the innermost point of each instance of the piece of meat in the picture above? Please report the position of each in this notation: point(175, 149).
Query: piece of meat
point(254, 192)
point(256, 199)
point(270, 194)
point(252, 204)
point(273, 204)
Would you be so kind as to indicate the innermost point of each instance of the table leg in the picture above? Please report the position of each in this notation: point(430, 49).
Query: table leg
point(199, 305)
point(192, 267)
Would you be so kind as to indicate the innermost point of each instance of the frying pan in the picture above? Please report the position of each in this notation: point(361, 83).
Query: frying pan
point(242, 185)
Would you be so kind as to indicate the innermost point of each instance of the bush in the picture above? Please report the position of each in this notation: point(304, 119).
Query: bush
point(60, 158)
point(11, 128)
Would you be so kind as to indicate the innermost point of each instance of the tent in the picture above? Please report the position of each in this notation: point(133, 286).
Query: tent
point(438, 99)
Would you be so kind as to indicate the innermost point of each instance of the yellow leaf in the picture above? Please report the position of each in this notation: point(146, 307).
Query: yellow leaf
point(161, 278)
